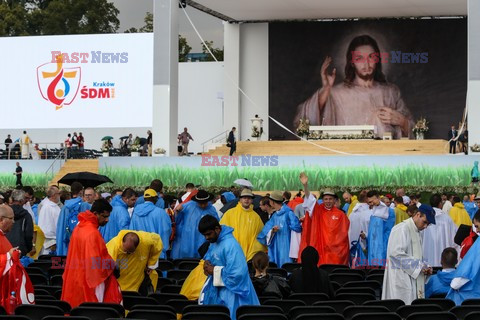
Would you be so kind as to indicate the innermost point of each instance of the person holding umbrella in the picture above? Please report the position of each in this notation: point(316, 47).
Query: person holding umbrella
point(107, 142)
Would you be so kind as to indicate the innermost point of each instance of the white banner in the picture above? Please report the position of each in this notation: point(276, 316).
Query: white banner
point(77, 81)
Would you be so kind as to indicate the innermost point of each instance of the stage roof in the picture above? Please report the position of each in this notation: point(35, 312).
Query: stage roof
point(271, 10)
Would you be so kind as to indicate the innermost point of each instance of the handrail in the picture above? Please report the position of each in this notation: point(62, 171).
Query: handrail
point(213, 138)
point(11, 146)
point(62, 155)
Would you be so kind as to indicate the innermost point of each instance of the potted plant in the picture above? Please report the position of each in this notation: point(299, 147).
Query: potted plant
point(475, 147)
point(420, 128)
point(256, 132)
point(134, 150)
point(160, 152)
point(303, 129)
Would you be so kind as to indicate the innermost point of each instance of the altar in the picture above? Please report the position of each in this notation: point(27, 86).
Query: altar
point(363, 132)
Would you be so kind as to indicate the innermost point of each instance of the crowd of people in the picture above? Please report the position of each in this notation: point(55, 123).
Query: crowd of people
point(114, 240)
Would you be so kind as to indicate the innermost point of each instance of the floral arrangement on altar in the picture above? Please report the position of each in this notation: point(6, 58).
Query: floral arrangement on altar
point(325, 136)
point(159, 151)
point(475, 148)
point(135, 148)
point(421, 126)
point(256, 132)
point(303, 128)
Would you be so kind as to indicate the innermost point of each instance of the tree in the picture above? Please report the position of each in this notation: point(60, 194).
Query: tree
point(183, 49)
point(218, 53)
point(49, 17)
point(13, 19)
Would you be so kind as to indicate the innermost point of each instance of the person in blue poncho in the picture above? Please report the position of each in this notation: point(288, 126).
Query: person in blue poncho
point(156, 185)
point(187, 237)
point(228, 282)
point(466, 283)
point(68, 219)
point(381, 223)
point(439, 283)
point(119, 217)
point(150, 218)
point(88, 199)
point(474, 173)
point(470, 205)
point(276, 233)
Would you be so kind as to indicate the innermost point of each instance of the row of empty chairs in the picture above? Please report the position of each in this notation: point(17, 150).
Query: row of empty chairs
point(98, 311)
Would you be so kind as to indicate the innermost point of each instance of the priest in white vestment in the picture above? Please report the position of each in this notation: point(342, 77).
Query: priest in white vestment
point(25, 145)
point(406, 271)
point(48, 218)
point(439, 236)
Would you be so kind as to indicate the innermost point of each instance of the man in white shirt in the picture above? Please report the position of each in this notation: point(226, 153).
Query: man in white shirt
point(48, 218)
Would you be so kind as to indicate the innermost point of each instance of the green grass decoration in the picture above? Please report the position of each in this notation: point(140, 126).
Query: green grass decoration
point(286, 177)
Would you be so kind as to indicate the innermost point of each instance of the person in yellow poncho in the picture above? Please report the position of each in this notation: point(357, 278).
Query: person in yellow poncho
point(351, 200)
point(38, 240)
point(458, 213)
point(246, 224)
point(400, 210)
point(135, 252)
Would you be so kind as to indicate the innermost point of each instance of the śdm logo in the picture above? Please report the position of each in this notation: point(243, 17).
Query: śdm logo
point(60, 87)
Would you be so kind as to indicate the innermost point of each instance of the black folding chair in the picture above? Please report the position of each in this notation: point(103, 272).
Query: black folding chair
point(351, 311)
point(151, 315)
point(64, 305)
point(118, 307)
point(95, 313)
point(259, 310)
point(338, 305)
point(443, 315)
point(37, 312)
point(205, 316)
point(309, 298)
point(377, 316)
point(445, 304)
point(391, 304)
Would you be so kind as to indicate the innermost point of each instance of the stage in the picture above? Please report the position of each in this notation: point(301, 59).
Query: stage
point(337, 147)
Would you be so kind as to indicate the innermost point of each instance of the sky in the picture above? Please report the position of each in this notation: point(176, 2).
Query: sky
point(132, 13)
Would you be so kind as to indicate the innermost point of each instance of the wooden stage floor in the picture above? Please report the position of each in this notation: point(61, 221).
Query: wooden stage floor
point(345, 147)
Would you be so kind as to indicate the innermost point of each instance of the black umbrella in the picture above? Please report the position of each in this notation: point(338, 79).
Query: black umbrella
point(123, 138)
point(87, 179)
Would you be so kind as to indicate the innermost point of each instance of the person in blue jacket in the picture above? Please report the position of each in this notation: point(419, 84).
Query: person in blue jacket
point(466, 281)
point(276, 233)
point(187, 237)
point(150, 218)
point(439, 283)
point(156, 185)
point(119, 217)
point(68, 218)
point(228, 282)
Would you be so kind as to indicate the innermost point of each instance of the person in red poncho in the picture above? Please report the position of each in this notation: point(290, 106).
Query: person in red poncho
point(89, 270)
point(325, 227)
point(13, 277)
